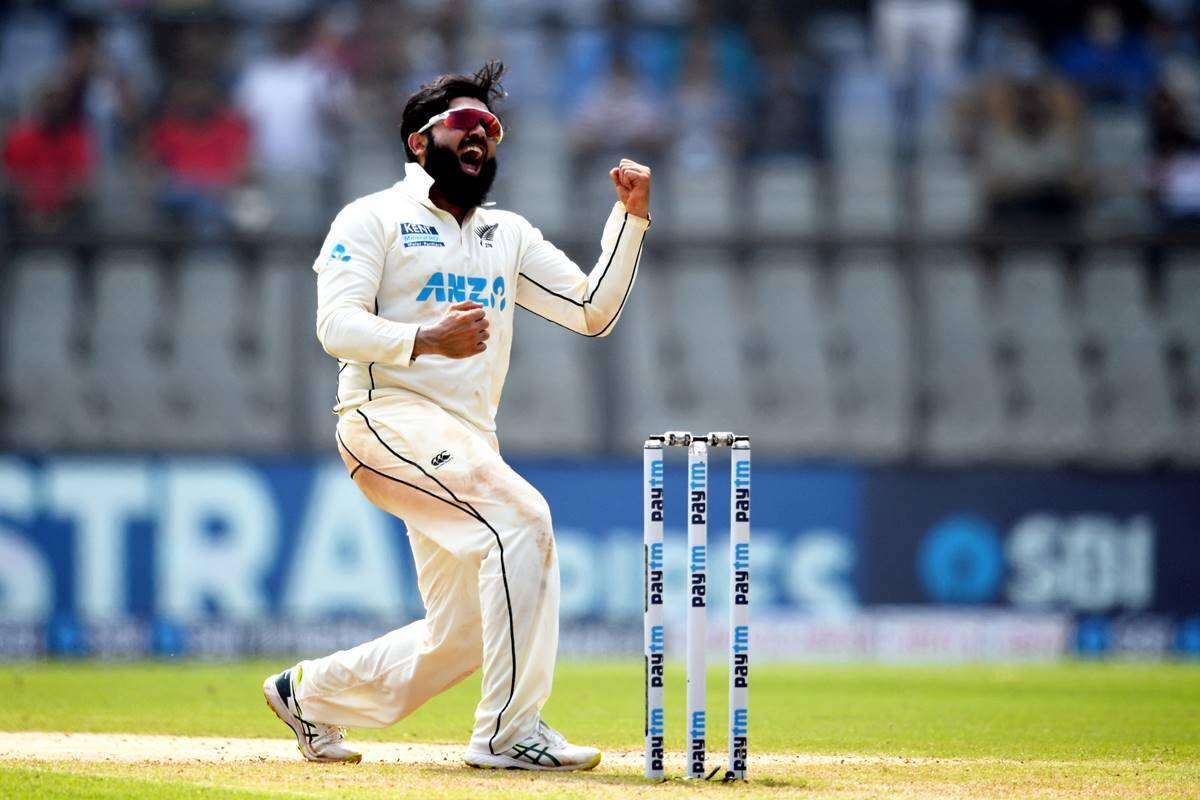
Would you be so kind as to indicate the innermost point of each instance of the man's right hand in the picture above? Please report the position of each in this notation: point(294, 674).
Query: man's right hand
point(462, 332)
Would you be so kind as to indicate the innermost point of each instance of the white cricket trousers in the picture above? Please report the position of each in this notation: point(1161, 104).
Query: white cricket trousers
point(487, 568)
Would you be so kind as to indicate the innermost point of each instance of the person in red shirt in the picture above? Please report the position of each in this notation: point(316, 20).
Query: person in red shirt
point(48, 163)
point(202, 145)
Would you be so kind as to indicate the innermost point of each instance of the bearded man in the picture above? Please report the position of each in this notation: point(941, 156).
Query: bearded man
point(417, 286)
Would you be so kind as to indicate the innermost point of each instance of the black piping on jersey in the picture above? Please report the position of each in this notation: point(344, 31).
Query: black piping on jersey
point(371, 366)
point(369, 468)
point(611, 256)
point(636, 260)
point(337, 384)
point(603, 273)
point(469, 510)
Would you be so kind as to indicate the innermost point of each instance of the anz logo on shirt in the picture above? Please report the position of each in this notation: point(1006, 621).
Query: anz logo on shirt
point(446, 287)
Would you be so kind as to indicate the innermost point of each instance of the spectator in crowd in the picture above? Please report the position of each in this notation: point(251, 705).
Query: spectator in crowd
point(791, 84)
point(1178, 55)
point(197, 43)
point(922, 38)
point(1026, 140)
point(1111, 64)
point(381, 63)
point(644, 37)
point(439, 38)
point(1175, 143)
point(103, 94)
point(620, 115)
point(706, 114)
point(32, 40)
point(1170, 42)
point(202, 146)
point(294, 103)
point(48, 163)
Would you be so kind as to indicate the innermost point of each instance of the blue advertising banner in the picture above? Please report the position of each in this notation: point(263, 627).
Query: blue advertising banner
point(235, 556)
point(1078, 542)
point(86, 541)
point(1120, 552)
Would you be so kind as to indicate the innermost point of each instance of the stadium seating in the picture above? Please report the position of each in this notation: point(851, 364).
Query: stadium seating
point(682, 367)
point(131, 347)
point(1182, 338)
point(552, 400)
point(947, 198)
point(784, 198)
point(865, 199)
point(372, 163)
point(1133, 417)
point(872, 328)
point(45, 385)
point(857, 356)
point(234, 325)
point(790, 388)
point(1047, 416)
point(700, 202)
point(841, 288)
point(965, 419)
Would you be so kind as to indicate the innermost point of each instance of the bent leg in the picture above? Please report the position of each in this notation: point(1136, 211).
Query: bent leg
point(476, 507)
point(380, 682)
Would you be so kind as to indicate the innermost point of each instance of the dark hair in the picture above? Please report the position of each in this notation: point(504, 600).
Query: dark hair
point(434, 98)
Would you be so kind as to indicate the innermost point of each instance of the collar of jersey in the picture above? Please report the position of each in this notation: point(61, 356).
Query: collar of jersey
point(417, 182)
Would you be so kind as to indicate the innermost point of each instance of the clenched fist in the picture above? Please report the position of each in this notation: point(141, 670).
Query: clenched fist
point(633, 186)
point(461, 333)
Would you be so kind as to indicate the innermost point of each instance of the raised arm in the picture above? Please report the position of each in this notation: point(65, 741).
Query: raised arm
point(552, 286)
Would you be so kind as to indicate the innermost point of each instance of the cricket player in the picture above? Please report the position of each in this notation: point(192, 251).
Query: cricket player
point(417, 286)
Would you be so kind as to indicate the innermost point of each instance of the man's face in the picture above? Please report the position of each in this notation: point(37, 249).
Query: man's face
point(461, 163)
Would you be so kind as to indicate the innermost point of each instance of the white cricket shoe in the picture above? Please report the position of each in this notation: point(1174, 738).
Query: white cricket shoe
point(546, 750)
point(315, 740)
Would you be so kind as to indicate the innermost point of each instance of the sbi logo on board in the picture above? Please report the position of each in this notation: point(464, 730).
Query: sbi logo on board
point(1085, 563)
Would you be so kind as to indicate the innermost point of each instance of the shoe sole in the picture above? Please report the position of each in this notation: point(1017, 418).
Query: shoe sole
point(504, 762)
point(272, 698)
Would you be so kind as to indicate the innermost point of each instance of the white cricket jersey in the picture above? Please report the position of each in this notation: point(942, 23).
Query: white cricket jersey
point(393, 262)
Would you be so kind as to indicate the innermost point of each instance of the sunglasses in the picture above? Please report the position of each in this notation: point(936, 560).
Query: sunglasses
point(465, 119)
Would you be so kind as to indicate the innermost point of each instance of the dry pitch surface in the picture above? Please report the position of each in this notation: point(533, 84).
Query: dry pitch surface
point(167, 766)
point(1076, 731)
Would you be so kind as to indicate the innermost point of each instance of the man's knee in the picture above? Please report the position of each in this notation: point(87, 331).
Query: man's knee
point(462, 646)
point(537, 528)
point(536, 514)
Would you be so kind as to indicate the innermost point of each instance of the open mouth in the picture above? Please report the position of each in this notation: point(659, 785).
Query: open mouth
point(471, 157)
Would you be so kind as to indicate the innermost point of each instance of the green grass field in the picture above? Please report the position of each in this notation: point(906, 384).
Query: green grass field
point(1075, 730)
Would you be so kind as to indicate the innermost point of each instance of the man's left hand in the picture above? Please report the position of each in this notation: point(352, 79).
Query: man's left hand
point(632, 181)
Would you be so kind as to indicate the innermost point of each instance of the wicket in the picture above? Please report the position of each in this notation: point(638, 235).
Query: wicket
point(739, 598)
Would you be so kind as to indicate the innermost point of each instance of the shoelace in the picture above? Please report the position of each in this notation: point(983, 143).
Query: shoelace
point(550, 735)
point(329, 735)
point(325, 734)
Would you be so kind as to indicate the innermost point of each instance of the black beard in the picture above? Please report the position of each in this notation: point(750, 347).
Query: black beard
point(459, 188)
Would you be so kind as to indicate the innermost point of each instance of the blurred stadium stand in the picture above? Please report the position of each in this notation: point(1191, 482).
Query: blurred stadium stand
point(857, 288)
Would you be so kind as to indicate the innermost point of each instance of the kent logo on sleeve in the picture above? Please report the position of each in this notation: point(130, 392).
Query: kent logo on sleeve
point(415, 235)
